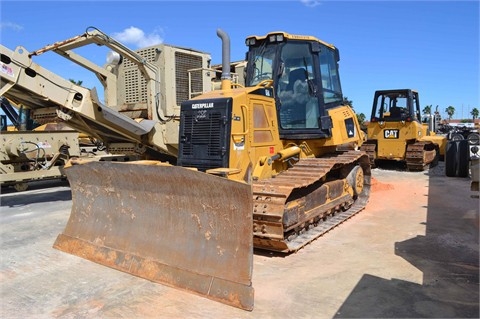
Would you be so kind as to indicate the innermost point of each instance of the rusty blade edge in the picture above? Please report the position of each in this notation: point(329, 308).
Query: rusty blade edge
point(230, 293)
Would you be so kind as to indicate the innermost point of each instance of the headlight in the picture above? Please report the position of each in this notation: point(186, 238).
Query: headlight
point(275, 38)
point(250, 41)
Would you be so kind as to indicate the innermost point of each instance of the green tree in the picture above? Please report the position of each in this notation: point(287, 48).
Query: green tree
point(346, 101)
point(361, 119)
point(474, 113)
point(450, 111)
point(79, 82)
point(427, 109)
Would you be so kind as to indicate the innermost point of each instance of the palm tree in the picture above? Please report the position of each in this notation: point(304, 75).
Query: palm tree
point(427, 109)
point(474, 113)
point(450, 111)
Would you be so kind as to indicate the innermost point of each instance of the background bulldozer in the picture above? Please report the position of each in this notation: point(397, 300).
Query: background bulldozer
point(273, 164)
point(395, 131)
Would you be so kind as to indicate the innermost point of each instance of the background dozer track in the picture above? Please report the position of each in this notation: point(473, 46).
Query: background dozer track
point(164, 223)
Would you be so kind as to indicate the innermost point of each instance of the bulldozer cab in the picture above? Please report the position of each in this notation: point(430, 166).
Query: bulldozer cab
point(396, 106)
point(306, 81)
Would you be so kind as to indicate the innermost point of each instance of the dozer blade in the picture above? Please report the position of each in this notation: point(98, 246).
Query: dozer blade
point(168, 224)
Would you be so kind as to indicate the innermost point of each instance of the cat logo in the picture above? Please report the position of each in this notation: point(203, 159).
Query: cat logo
point(390, 134)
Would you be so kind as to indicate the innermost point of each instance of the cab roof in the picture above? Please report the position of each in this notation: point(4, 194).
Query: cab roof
point(291, 37)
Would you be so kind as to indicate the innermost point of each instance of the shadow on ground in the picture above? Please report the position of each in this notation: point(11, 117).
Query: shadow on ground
point(448, 256)
point(37, 192)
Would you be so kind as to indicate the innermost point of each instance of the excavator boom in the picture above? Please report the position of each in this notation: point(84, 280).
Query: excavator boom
point(140, 107)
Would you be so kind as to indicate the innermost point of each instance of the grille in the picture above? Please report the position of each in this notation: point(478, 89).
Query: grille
point(135, 93)
point(183, 63)
point(204, 133)
point(148, 54)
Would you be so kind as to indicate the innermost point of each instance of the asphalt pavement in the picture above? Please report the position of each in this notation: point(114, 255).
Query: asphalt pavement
point(412, 253)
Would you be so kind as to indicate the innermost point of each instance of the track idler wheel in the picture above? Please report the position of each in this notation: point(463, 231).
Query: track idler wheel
point(356, 180)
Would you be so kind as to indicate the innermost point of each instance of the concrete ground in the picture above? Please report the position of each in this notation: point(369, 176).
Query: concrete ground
point(412, 253)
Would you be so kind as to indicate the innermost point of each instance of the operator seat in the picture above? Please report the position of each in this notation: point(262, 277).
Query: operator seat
point(294, 76)
point(298, 109)
point(397, 111)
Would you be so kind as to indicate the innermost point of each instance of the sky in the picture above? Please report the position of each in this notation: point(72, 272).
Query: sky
point(428, 46)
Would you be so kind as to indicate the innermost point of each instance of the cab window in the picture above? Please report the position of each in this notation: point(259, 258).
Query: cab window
point(299, 107)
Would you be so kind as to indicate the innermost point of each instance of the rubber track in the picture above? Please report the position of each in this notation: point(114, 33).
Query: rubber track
point(304, 173)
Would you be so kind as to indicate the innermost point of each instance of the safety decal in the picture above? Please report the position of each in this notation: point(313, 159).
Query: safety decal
point(7, 70)
point(350, 127)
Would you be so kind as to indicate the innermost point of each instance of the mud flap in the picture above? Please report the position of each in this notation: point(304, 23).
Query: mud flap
point(168, 224)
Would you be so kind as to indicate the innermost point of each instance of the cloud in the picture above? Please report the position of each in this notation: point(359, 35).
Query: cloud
point(10, 25)
point(137, 37)
point(311, 3)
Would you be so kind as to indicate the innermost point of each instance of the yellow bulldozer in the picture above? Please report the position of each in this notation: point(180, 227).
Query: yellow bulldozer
point(395, 132)
point(270, 165)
